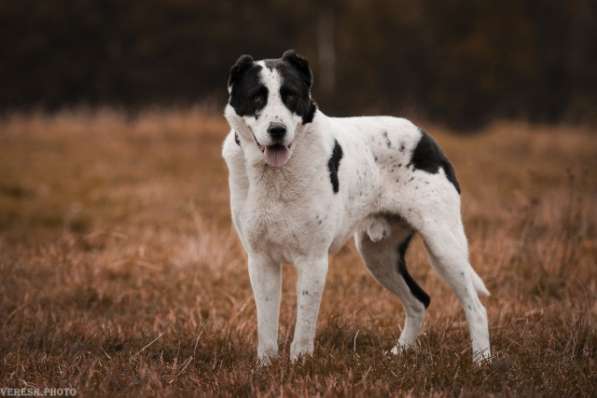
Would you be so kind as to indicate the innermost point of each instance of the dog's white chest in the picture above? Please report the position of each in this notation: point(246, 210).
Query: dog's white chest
point(286, 232)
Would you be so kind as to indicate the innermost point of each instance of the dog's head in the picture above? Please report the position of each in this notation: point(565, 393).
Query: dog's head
point(269, 102)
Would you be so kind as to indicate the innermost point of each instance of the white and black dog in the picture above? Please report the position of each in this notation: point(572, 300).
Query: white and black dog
point(302, 183)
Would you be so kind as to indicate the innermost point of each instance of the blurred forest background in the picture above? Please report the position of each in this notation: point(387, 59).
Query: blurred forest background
point(458, 62)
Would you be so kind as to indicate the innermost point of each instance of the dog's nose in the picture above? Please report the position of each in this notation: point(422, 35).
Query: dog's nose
point(277, 131)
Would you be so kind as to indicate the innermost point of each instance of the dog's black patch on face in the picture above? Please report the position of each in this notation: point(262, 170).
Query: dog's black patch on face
point(308, 117)
point(248, 96)
point(414, 288)
point(242, 64)
point(297, 80)
point(334, 165)
point(429, 157)
point(295, 92)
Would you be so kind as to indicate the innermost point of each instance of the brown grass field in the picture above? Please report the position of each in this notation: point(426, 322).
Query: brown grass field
point(121, 274)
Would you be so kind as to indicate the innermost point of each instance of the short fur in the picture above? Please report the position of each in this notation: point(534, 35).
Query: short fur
point(379, 179)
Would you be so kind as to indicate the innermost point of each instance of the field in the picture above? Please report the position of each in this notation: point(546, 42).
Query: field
point(121, 274)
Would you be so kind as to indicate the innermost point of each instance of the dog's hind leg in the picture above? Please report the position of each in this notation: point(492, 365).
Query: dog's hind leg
point(449, 255)
point(384, 255)
point(432, 208)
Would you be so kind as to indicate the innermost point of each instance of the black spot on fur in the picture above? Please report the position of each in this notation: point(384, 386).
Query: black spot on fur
point(242, 64)
point(388, 141)
point(429, 157)
point(334, 165)
point(297, 80)
point(414, 288)
point(236, 139)
point(308, 117)
point(247, 94)
point(300, 64)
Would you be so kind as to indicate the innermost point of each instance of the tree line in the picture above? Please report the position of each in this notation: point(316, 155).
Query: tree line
point(461, 62)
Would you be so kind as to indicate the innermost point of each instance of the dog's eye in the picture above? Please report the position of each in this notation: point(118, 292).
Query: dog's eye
point(258, 99)
point(289, 97)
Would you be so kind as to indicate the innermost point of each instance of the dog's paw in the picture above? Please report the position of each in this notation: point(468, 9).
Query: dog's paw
point(265, 358)
point(483, 357)
point(300, 351)
point(265, 361)
point(402, 347)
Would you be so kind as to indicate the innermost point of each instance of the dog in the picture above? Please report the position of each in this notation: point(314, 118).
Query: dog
point(303, 183)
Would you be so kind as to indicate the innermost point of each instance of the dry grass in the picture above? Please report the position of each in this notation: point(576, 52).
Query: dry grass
point(121, 273)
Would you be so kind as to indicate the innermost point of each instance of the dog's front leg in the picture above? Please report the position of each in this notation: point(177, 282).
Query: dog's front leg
point(309, 289)
point(266, 280)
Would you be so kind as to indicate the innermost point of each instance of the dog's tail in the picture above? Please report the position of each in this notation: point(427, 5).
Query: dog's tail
point(478, 284)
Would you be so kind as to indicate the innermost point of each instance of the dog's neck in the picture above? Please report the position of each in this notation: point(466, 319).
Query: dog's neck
point(311, 148)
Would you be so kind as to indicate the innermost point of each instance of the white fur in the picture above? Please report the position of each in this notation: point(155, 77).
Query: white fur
point(291, 215)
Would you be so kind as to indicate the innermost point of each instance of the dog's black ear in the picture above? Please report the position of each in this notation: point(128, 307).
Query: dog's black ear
point(301, 64)
point(242, 64)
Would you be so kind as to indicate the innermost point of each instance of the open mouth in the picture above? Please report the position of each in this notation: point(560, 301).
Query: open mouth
point(276, 155)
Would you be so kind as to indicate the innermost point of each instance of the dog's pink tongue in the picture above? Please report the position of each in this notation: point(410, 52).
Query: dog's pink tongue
point(276, 155)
